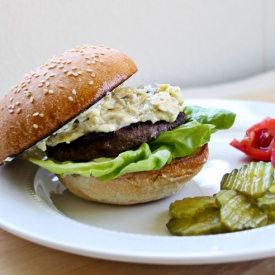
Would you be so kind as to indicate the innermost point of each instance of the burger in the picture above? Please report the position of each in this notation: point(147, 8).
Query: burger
point(106, 141)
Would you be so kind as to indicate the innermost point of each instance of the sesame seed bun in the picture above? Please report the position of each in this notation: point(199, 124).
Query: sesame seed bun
point(139, 187)
point(73, 80)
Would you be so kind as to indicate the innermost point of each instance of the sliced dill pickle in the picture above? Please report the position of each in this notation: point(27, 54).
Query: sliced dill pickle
point(246, 201)
point(189, 207)
point(253, 179)
point(267, 205)
point(271, 216)
point(267, 202)
point(272, 188)
point(239, 212)
point(206, 222)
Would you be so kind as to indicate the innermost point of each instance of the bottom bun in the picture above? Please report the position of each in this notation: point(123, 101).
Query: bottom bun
point(139, 187)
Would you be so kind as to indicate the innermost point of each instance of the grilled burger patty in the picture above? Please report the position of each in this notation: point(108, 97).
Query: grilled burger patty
point(95, 145)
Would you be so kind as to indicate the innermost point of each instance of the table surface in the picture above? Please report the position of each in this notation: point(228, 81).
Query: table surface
point(18, 256)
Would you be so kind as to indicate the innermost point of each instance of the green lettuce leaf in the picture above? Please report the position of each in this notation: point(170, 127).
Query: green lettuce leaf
point(221, 118)
point(185, 139)
point(105, 169)
point(179, 142)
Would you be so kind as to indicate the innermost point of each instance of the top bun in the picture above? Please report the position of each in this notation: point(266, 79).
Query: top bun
point(56, 92)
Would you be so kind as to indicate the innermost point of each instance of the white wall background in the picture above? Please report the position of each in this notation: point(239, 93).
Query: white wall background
point(184, 42)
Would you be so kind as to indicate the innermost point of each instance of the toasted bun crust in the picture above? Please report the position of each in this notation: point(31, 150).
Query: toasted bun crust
point(139, 187)
point(56, 92)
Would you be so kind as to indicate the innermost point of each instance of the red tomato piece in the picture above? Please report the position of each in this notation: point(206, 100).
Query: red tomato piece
point(259, 141)
point(273, 157)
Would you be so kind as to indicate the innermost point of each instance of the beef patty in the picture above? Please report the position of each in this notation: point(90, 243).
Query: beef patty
point(95, 145)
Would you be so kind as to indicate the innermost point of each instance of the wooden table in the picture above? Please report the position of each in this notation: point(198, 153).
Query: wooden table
point(18, 256)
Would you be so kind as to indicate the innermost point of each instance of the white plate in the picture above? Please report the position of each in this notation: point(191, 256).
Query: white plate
point(34, 206)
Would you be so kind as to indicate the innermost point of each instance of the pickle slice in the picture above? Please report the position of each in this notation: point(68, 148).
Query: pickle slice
point(267, 202)
point(189, 207)
point(239, 212)
point(271, 217)
point(253, 179)
point(206, 222)
point(272, 188)
point(267, 205)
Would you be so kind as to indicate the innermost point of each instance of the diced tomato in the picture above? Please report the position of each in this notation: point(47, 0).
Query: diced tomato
point(259, 141)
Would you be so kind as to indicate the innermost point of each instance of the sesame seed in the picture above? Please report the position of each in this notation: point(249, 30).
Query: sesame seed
point(70, 98)
point(18, 110)
point(74, 91)
point(75, 74)
point(35, 126)
point(50, 91)
point(88, 62)
point(61, 86)
point(93, 75)
point(91, 82)
point(31, 99)
point(40, 85)
point(52, 75)
point(41, 115)
point(11, 111)
point(65, 71)
point(69, 73)
point(52, 66)
point(74, 68)
point(28, 94)
point(47, 84)
point(89, 70)
point(36, 114)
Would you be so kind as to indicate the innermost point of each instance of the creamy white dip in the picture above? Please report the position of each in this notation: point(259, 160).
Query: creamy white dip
point(119, 108)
